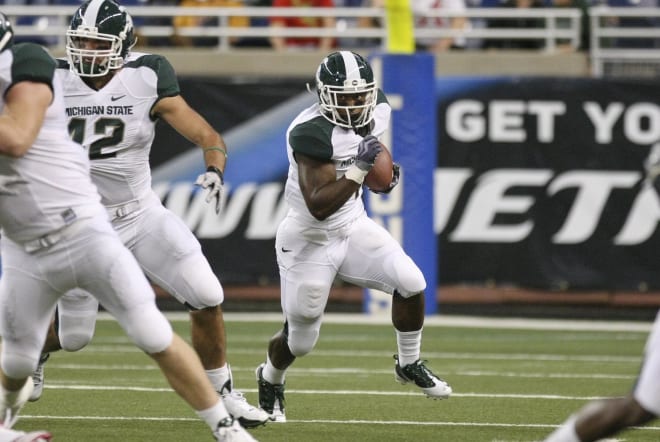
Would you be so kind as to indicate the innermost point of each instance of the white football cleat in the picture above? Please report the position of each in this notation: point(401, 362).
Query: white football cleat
point(38, 378)
point(9, 435)
point(229, 430)
point(239, 408)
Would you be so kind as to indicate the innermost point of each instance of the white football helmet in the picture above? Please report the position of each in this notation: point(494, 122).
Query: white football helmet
point(346, 89)
point(106, 24)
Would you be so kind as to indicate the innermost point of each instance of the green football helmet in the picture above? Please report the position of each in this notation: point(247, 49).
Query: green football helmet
point(346, 89)
point(99, 38)
point(6, 33)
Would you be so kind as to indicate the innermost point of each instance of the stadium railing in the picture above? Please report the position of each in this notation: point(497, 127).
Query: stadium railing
point(610, 29)
point(53, 29)
point(625, 42)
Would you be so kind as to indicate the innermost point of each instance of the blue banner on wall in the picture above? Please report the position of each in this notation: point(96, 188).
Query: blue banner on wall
point(538, 182)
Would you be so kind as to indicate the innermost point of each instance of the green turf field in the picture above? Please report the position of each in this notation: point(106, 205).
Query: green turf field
point(510, 384)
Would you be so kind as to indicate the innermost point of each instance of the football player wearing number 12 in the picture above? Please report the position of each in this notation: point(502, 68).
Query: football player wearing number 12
point(326, 233)
point(113, 99)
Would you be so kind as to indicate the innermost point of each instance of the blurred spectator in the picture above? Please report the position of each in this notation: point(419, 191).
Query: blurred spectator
point(422, 21)
point(255, 21)
point(585, 24)
point(517, 23)
point(635, 22)
point(359, 22)
point(42, 22)
point(181, 22)
point(157, 21)
point(324, 44)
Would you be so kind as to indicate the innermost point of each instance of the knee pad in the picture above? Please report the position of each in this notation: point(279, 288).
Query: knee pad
point(148, 328)
point(302, 337)
point(17, 364)
point(410, 277)
point(302, 343)
point(76, 319)
point(311, 298)
point(75, 332)
point(197, 286)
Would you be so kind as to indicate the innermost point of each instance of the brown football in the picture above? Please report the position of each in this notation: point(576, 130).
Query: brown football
point(380, 176)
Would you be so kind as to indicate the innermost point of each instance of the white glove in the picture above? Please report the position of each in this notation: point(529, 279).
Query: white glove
point(213, 182)
point(7, 182)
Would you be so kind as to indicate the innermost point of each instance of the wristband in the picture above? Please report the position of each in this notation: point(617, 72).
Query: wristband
point(356, 174)
point(218, 148)
point(218, 171)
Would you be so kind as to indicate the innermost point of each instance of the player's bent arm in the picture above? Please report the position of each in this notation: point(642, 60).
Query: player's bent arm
point(26, 103)
point(190, 124)
point(323, 193)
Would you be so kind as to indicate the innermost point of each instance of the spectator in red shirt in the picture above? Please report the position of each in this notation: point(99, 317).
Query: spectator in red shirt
point(324, 44)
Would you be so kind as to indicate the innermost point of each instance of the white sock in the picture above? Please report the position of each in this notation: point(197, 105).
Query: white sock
point(11, 397)
point(272, 374)
point(409, 345)
point(212, 416)
point(565, 433)
point(219, 377)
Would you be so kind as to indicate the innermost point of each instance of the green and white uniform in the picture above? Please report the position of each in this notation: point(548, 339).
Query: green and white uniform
point(115, 126)
point(311, 253)
point(39, 210)
point(56, 235)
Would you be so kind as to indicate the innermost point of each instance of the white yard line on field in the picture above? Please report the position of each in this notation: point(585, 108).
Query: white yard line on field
point(331, 392)
point(441, 321)
point(316, 421)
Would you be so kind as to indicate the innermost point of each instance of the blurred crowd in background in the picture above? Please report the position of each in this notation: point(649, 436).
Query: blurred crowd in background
point(419, 7)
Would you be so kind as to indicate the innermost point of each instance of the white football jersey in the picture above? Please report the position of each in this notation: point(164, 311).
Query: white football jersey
point(115, 126)
point(312, 134)
point(58, 188)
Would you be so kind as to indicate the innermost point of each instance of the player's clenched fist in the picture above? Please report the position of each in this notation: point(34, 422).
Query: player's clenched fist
point(368, 149)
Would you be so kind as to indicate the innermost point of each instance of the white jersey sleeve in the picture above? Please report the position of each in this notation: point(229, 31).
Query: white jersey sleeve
point(57, 188)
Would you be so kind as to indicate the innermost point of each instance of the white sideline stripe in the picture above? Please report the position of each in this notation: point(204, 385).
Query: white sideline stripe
point(114, 349)
point(316, 421)
point(439, 321)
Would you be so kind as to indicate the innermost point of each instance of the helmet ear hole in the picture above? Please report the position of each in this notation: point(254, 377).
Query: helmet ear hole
point(343, 74)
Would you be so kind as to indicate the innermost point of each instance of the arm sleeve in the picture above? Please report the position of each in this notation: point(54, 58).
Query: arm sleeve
point(312, 140)
point(32, 63)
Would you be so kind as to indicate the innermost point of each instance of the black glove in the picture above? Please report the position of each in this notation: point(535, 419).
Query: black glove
point(396, 174)
point(368, 149)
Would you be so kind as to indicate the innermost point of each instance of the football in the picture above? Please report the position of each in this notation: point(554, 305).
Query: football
point(380, 176)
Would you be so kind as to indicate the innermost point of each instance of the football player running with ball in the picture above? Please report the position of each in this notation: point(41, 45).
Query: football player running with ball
point(326, 233)
point(56, 236)
point(113, 100)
